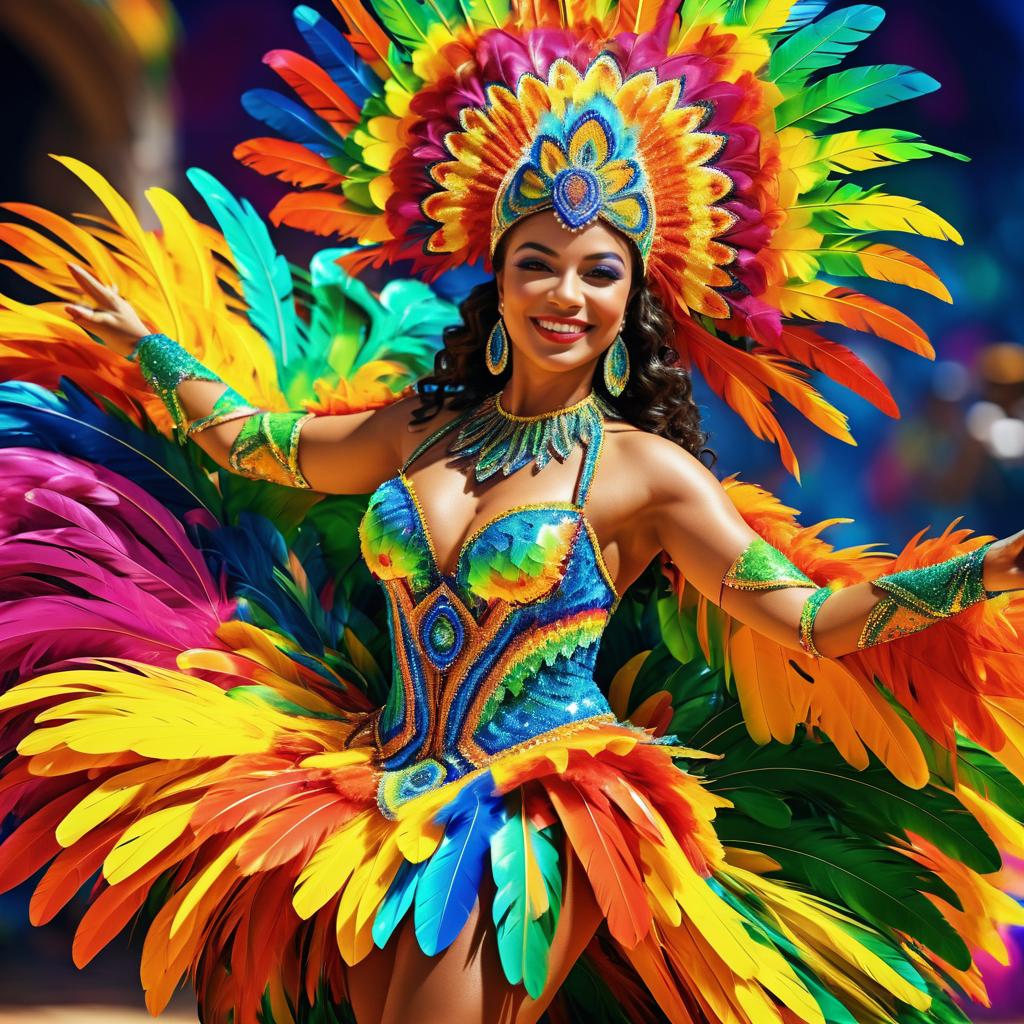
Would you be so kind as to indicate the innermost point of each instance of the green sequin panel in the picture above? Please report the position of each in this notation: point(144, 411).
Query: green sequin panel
point(165, 364)
point(763, 567)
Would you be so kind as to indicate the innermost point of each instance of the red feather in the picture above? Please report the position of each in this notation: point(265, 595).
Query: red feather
point(837, 362)
point(288, 161)
point(315, 88)
point(614, 875)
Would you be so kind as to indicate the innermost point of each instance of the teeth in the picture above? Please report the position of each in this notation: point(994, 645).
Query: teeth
point(560, 328)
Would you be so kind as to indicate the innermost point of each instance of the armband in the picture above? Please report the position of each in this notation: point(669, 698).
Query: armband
point(267, 448)
point(763, 567)
point(164, 365)
point(915, 598)
point(229, 406)
point(808, 614)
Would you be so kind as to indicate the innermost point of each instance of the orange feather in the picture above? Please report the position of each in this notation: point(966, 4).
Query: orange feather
point(289, 161)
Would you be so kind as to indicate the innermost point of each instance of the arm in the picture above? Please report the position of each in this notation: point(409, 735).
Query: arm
point(700, 529)
point(347, 454)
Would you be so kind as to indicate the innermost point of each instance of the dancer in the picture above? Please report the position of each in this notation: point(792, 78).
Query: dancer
point(776, 794)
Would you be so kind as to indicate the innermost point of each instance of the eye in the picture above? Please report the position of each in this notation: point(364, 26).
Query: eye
point(606, 273)
point(532, 264)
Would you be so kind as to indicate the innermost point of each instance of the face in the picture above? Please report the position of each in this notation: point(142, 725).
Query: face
point(563, 295)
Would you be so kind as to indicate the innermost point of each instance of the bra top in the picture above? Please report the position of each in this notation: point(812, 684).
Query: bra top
point(518, 555)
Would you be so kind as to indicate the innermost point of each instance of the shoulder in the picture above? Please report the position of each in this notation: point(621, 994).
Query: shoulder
point(406, 432)
point(658, 467)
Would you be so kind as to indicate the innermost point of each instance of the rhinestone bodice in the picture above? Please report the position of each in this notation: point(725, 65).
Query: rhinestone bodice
point(495, 653)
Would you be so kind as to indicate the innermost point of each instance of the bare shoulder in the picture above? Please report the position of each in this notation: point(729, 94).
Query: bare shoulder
point(653, 465)
point(406, 431)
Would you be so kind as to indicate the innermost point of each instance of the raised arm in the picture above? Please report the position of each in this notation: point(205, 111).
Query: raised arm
point(348, 454)
point(699, 527)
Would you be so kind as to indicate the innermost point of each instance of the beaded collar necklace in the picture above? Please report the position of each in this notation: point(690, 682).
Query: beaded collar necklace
point(502, 441)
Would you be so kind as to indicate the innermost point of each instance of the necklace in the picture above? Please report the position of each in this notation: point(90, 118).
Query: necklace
point(501, 440)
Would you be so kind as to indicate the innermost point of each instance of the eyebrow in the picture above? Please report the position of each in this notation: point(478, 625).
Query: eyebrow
point(551, 252)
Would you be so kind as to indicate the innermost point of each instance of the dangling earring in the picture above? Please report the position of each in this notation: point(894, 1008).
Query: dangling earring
point(496, 353)
point(616, 367)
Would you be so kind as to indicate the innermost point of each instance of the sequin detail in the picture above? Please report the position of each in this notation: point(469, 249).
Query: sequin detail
point(808, 614)
point(760, 566)
point(915, 598)
point(500, 441)
point(164, 365)
point(267, 448)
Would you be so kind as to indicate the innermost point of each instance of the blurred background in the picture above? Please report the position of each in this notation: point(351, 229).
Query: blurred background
point(143, 89)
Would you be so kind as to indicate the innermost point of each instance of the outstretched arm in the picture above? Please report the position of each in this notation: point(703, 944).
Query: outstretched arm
point(700, 529)
point(347, 454)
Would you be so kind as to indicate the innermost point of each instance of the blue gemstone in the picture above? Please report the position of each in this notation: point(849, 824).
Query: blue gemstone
point(576, 196)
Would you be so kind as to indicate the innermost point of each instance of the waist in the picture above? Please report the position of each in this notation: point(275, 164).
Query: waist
point(427, 772)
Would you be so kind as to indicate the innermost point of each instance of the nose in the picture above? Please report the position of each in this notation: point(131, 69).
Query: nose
point(566, 292)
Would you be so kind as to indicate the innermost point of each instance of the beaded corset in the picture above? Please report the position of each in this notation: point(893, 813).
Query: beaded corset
point(497, 652)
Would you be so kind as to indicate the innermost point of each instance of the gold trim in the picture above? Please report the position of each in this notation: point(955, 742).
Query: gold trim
point(515, 418)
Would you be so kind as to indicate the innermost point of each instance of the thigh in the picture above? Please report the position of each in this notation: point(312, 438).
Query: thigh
point(465, 984)
point(368, 982)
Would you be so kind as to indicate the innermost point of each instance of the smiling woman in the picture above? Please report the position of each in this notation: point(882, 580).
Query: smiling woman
point(520, 775)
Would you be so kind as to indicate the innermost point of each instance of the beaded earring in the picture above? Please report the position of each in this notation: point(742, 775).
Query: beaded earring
point(496, 353)
point(616, 367)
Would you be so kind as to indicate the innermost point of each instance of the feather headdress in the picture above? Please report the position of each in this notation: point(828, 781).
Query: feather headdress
point(700, 130)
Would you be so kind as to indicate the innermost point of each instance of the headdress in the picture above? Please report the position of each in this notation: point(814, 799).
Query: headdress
point(700, 129)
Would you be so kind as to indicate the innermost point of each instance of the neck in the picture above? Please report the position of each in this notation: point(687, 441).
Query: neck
point(535, 394)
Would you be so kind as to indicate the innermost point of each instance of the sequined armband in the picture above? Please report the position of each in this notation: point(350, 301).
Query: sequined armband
point(763, 567)
point(915, 598)
point(267, 448)
point(808, 614)
point(229, 406)
point(165, 364)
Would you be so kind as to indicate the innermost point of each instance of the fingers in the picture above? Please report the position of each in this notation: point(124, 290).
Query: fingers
point(91, 286)
point(92, 316)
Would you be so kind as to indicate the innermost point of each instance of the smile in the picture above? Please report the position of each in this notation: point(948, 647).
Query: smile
point(560, 330)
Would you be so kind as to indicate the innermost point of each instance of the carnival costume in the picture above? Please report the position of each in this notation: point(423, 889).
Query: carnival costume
point(213, 707)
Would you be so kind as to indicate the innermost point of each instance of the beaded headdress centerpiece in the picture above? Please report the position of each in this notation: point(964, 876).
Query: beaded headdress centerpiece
point(713, 134)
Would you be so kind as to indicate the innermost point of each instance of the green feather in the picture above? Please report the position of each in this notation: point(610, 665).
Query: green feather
point(524, 943)
point(878, 884)
point(822, 44)
point(855, 91)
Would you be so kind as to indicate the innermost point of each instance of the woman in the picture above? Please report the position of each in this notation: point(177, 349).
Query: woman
point(495, 744)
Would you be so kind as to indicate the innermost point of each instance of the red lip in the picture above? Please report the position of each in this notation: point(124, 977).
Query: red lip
point(561, 337)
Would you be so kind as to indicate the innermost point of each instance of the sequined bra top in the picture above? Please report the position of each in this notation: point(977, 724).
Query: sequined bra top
point(497, 652)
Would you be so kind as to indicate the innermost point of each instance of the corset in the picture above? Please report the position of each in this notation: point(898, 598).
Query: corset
point(495, 654)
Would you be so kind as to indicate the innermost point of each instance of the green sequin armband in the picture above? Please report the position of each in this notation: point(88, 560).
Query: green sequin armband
point(915, 598)
point(808, 614)
point(267, 448)
point(763, 567)
point(230, 406)
point(165, 364)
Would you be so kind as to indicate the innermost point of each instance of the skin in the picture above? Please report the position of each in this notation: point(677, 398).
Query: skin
point(668, 506)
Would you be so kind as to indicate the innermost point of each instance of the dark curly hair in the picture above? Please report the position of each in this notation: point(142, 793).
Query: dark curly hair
point(658, 396)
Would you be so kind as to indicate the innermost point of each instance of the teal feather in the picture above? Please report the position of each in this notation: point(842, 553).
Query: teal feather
point(267, 284)
point(524, 942)
point(855, 91)
point(822, 44)
point(397, 901)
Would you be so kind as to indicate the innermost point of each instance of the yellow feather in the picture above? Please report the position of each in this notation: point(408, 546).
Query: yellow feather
point(201, 887)
point(333, 862)
point(144, 839)
point(110, 797)
point(362, 895)
point(882, 212)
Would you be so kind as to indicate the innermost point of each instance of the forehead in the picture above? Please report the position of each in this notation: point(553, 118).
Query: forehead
point(544, 229)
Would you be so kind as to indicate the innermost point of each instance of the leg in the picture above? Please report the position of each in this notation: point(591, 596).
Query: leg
point(466, 985)
point(368, 983)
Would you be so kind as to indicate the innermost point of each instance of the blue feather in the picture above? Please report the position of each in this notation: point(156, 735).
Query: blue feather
point(33, 417)
point(267, 283)
point(397, 901)
point(449, 886)
point(335, 55)
point(293, 121)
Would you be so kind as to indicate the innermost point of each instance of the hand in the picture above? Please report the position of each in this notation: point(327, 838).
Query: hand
point(1003, 568)
point(113, 320)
